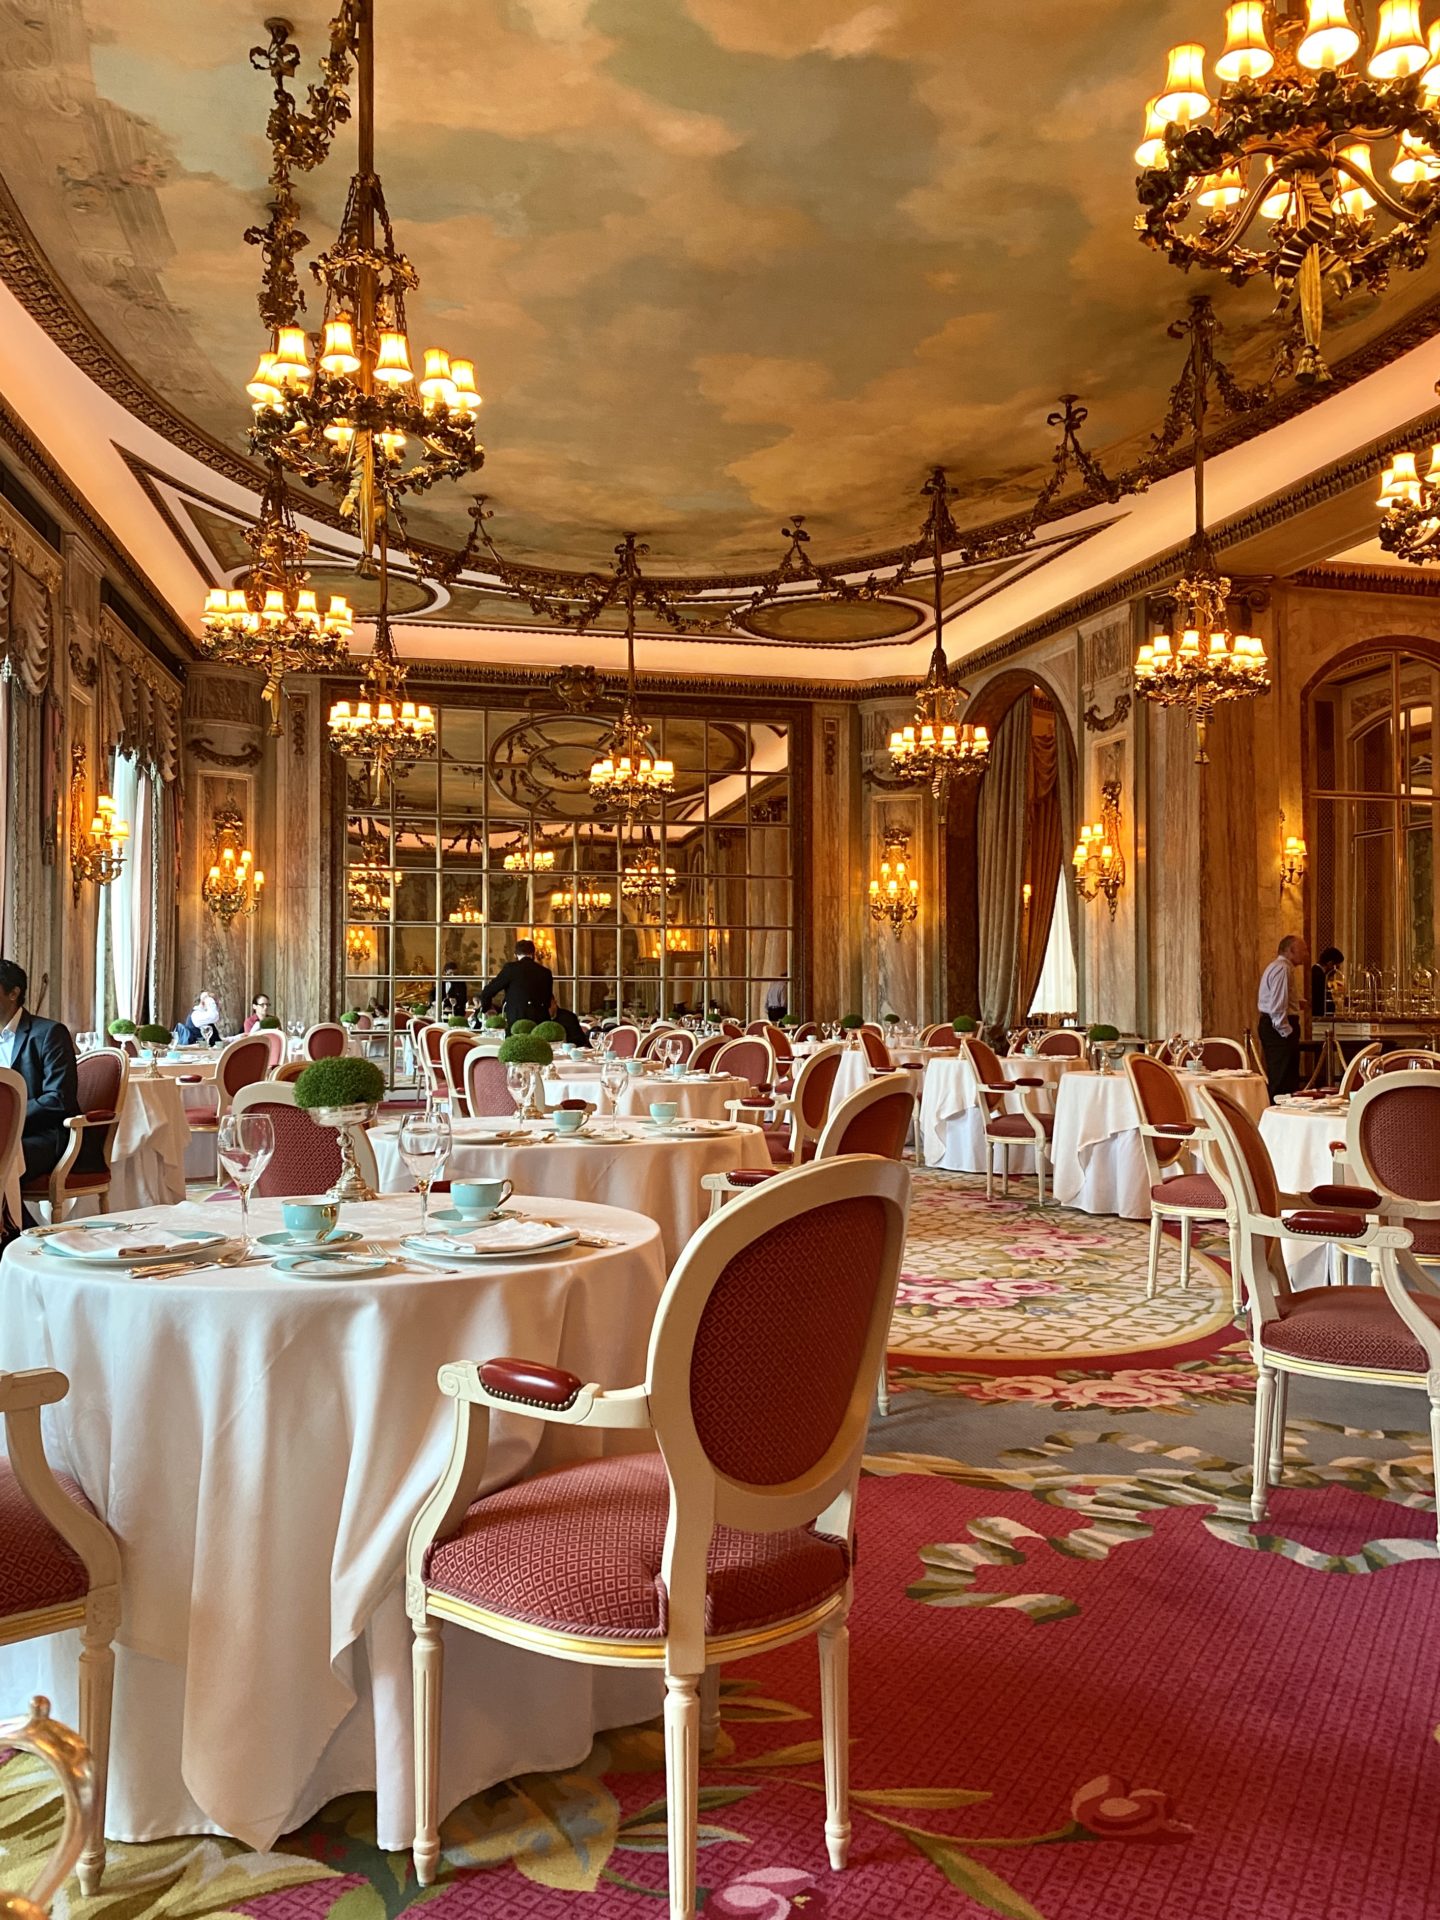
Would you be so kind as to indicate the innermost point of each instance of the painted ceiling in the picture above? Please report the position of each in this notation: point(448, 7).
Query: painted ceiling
point(717, 261)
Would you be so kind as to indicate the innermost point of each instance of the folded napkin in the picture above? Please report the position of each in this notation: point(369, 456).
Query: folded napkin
point(496, 1237)
point(142, 1238)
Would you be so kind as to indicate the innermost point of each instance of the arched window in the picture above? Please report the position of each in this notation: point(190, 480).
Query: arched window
point(1370, 810)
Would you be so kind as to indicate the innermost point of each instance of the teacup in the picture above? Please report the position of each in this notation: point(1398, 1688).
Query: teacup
point(568, 1119)
point(663, 1112)
point(309, 1220)
point(634, 1066)
point(677, 1072)
point(476, 1198)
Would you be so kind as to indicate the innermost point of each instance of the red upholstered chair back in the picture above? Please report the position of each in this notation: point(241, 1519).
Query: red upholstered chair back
point(1063, 1044)
point(486, 1089)
point(623, 1042)
point(100, 1077)
point(1391, 1133)
point(432, 1036)
point(939, 1030)
point(876, 1052)
point(749, 1408)
point(306, 1157)
point(807, 1030)
point(455, 1044)
point(750, 1058)
point(289, 1071)
point(731, 1029)
point(1264, 1188)
point(815, 1084)
point(985, 1061)
point(652, 1040)
point(1217, 1053)
point(274, 1040)
point(14, 1096)
point(243, 1062)
point(703, 1058)
point(758, 1026)
point(1162, 1103)
point(1408, 1060)
point(779, 1042)
point(876, 1119)
point(325, 1041)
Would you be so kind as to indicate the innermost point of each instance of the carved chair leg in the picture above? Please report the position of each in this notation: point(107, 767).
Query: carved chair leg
point(834, 1638)
point(1277, 1429)
point(709, 1711)
point(1186, 1229)
point(428, 1661)
point(1005, 1170)
point(882, 1388)
point(1237, 1288)
point(1152, 1272)
point(682, 1787)
point(1264, 1408)
point(1435, 1450)
point(989, 1170)
point(97, 1693)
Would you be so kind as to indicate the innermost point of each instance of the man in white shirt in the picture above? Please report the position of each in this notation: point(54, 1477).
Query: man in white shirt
point(1279, 1004)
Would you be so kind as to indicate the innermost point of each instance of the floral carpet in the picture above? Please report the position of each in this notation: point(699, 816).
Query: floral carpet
point(1084, 1687)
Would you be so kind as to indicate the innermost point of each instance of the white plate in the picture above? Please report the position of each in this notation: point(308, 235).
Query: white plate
point(474, 1248)
point(705, 1129)
point(330, 1266)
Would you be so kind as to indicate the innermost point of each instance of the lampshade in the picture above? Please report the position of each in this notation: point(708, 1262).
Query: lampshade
point(1413, 162)
point(392, 367)
point(1400, 48)
point(1183, 96)
point(292, 357)
point(1225, 189)
point(1276, 203)
point(1330, 39)
point(1352, 196)
point(438, 386)
point(340, 355)
point(264, 388)
point(462, 373)
point(340, 433)
point(392, 445)
point(1246, 54)
point(1430, 81)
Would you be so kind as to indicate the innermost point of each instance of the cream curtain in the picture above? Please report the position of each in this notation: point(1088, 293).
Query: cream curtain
point(165, 917)
point(1000, 838)
point(132, 895)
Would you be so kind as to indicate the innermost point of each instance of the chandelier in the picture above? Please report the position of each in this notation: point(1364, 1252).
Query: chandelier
point(1410, 508)
point(232, 887)
point(647, 879)
point(629, 779)
point(270, 621)
point(895, 896)
point(465, 913)
point(939, 743)
point(1098, 862)
point(370, 884)
point(584, 900)
point(355, 419)
point(1201, 662)
point(383, 727)
point(1307, 169)
point(525, 856)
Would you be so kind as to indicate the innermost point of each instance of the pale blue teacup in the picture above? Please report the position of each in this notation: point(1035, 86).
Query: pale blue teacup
point(663, 1112)
point(478, 1198)
point(568, 1119)
point(677, 1072)
point(635, 1066)
point(309, 1220)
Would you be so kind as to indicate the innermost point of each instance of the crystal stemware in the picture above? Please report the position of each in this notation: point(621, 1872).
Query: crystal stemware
point(243, 1147)
point(612, 1078)
point(424, 1143)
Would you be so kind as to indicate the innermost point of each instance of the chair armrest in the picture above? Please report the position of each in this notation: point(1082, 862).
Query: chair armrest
point(1038, 1081)
point(82, 1122)
point(1178, 1129)
point(530, 1383)
point(590, 1405)
point(1331, 1195)
point(1369, 1234)
point(34, 1387)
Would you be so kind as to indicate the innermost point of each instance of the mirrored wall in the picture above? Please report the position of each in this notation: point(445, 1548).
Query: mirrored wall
point(496, 839)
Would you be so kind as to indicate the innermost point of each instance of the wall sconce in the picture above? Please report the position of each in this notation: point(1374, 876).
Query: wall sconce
point(1098, 862)
point(97, 851)
point(1292, 862)
point(232, 887)
point(358, 945)
point(895, 896)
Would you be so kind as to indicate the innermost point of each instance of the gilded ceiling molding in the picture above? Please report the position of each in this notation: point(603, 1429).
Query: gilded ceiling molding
point(432, 679)
point(1414, 586)
point(85, 669)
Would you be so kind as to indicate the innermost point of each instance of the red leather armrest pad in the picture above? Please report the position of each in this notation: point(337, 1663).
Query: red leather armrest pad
point(1331, 1223)
point(1036, 1082)
point(1343, 1196)
point(1335, 1146)
point(100, 1113)
point(754, 1100)
point(189, 1079)
point(572, 1106)
point(1181, 1128)
point(750, 1176)
point(530, 1380)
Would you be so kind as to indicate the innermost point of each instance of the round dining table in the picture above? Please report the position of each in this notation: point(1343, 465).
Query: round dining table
point(616, 1163)
point(259, 1445)
point(147, 1162)
point(952, 1124)
point(1299, 1138)
point(1098, 1160)
point(699, 1096)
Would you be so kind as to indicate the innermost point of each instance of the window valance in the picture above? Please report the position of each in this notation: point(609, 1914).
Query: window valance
point(139, 701)
point(30, 581)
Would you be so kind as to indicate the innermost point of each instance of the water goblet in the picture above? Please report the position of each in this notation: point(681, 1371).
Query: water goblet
point(424, 1143)
point(613, 1076)
point(243, 1147)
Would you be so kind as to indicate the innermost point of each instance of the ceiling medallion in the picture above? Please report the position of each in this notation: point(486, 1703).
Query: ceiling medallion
point(1201, 662)
point(629, 778)
point(270, 621)
point(347, 421)
point(1305, 169)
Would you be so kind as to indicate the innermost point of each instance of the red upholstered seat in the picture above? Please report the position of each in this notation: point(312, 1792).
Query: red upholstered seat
point(37, 1187)
point(37, 1567)
point(1190, 1190)
point(1350, 1327)
point(1016, 1126)
point(579, 1550)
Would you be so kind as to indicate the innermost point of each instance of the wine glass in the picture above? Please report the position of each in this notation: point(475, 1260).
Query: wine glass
point(243, 1146)
point(517, 1079)
point(425, 1140)
point(612, 1078)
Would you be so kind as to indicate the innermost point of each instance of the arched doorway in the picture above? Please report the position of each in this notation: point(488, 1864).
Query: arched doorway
point(1009, 882)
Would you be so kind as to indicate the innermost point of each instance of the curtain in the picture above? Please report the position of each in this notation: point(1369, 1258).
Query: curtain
point(1043, 854)
point(1000, 837)
point(1057, 990)
point(129, 916)
point(164, 927)
point(1069, 834)
point(5, 920)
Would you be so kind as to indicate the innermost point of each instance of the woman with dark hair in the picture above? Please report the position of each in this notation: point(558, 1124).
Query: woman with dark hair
point(259, 1010)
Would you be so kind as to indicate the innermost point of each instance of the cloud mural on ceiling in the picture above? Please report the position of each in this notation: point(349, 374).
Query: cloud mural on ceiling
point(716, 261)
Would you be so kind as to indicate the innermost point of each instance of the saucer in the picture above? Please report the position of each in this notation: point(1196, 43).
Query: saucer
point(452, 1216)
point(286, 1242)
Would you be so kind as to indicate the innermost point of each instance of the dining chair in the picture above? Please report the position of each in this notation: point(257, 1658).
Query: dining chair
point(876, 1051)
point(1408, 1060)
point(487, 1086)
point(59, 1570)
point(1063, 1044)
point(456, 1043)
point(325, 1040)
point(306, 1159)
point(662, 1030)
point(1392, 1145)
point(83, 1171)
point(801, 1113)
point(702, 1060)
point(14, 1098)
point(874, 1119)
point(780, 1042)
point(873, 1026)
point(732, 1537)
point(807, 1030)
point(289, 1071)
point(1003, 1129)
point(1217, 1052)
point(1355, 1067)
point(242, 1063)
point(1170, 1137)
point(731, 1029)
point(748, 1058)
point(1385, 1335)
point(622, 1041)
point(274, 1039)
point(940, 1030)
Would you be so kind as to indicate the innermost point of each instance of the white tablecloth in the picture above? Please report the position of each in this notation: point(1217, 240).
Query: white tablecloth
point(260, 1446)
point(628, 1167)
point(952, 1126)
point(148, 1161)
point(1299, 1146)
point(1099, 1165)
point(699, 1099)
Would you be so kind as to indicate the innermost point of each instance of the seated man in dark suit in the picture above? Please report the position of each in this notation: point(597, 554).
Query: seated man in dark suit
point(574, 1032)
point(43, 1054)
point(527, 986)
